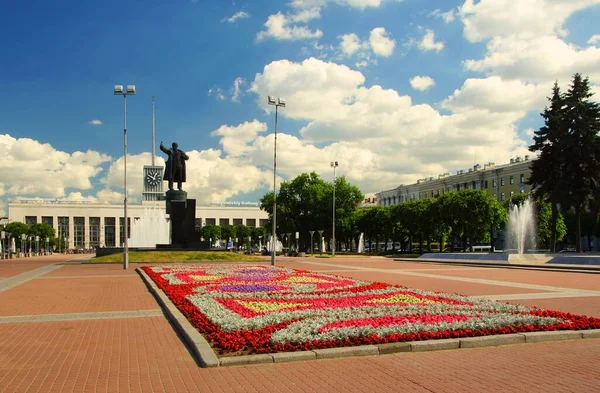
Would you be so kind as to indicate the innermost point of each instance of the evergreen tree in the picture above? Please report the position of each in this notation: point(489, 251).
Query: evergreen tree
point(582, 150)
point(547, 172)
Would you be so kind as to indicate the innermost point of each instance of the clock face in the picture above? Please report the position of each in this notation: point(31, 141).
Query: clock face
point(153, 177)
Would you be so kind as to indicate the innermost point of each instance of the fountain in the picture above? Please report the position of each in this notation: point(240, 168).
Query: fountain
point(521, 228)
point(150, 229)
point(361, 243)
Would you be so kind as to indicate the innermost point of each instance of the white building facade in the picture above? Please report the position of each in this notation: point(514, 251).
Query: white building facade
point(87, 225)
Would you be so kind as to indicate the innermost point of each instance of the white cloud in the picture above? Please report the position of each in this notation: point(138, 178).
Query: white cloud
point(497, 95)
point(487, 19)
point(447, 16)
point(236, 89)
point(217, 92)
point(376, 125)
point(234, 139)
point(594, 39)
point(350, 44)
point(381, 43)
point(282, 27)
point(422, 83)
point(30, 168)
point(428, 42)
point(235, 17)
point(96, 122)
point(538, 59)
point(360, 4)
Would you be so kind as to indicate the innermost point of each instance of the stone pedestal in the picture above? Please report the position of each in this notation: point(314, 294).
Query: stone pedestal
point(177, 196)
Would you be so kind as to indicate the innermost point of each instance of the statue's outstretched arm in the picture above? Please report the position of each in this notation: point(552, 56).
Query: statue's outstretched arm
point(163, 148)
point(185, 156)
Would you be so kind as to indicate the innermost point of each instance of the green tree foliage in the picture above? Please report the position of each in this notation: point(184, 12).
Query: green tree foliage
point(16, 229)
point(42, 230)
point(547, 172)
point(211, 232)
point(306, 203)
point(582, 167)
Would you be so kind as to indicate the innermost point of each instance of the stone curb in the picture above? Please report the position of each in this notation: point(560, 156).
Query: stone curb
point(207, 357)
point(194, 340)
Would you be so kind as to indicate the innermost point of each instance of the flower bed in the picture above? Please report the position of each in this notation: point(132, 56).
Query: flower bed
point(261, 309)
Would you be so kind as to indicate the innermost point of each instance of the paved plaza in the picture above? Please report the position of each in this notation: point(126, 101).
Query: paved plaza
point(73, 327)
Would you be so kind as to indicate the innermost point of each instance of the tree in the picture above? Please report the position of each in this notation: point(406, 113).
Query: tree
point(16, 229)
point(211, 232)
point(42, 230)
point(306, 204)
point(548, 171)
point(582, 166)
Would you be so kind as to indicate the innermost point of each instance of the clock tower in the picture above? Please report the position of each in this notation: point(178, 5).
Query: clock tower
point(153, 183)
point(153, 174)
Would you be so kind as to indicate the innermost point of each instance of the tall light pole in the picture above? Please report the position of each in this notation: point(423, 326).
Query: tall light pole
point(334, 164)
point(129, 92)
point(278, 102)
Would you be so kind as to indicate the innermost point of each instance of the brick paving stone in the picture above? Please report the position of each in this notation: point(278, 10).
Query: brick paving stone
point(12, 267)
point(76, 295)
point(90, 270)
point(557, 279)
point(579, 305)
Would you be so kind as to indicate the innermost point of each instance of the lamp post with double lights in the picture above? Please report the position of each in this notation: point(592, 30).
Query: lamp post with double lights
point(277, 102)
point(334, 164)
point(130, 91)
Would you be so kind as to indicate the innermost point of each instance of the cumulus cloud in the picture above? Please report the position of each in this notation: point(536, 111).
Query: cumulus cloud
point(428, 42)
point(487, 19)
point(381, 43)
point(379, 124)
point(284, 27)
point(497, 95)
point(234, 139)
point(29, 168)
point(96, 122)
point(538, 59)
point(422, 83)
point(235, 17)
point(350, 44)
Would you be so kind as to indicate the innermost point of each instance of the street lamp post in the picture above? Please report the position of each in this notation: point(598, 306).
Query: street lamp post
point(23, 244)
point(278, 102)
point(311, 241)
point(321, 239)
point(37, 245)
point(118, 91)
point(2, 236)
point(334, 164)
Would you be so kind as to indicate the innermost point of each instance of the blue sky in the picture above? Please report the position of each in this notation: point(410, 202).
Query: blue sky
point(344, 66)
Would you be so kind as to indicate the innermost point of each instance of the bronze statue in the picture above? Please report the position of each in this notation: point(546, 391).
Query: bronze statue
point(175, 166)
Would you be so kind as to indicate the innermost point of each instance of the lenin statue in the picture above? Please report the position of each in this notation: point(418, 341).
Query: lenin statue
point(175, 167)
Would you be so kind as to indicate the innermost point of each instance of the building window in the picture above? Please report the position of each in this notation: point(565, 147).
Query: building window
point(512, 180)
point(48, 220)
point(263, 222)
point(211, 221)
point(502, 181)
point(522, 178)
point(474, 184)
point(238, 222)
point(110, 239)
point(502, 196)
point(94, 232)
point(198, 225)
point(79, 229)
point(251, 222)
point(63, 227)
point(493, 183)
point(30, 220)
point(485, 183)
point(223, 222)
point(122, 229)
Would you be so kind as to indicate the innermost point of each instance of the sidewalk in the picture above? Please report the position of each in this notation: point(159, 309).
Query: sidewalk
point(95, 328)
